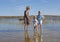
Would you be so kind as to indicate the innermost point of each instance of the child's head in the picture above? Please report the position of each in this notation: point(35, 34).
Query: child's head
point(35, 17)
point(39, 12)
point(27, 7)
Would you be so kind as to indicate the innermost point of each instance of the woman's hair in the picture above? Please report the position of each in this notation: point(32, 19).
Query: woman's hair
point(27, 7)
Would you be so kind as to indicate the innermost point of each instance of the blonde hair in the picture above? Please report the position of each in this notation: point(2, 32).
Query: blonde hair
point(34, 17)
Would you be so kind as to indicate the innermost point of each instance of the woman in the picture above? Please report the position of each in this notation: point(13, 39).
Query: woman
point(26, 18)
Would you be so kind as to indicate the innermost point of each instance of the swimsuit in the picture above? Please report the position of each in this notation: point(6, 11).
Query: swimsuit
point(39, 18)
point(26, 21)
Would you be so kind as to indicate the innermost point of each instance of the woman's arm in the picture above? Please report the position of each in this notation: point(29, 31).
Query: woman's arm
point(28, 16)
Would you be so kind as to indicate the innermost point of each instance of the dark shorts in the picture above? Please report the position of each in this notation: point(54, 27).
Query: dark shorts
point(26, 21)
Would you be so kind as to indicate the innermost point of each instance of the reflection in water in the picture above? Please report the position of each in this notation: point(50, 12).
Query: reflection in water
point(26, 35)
point(11, 30)
point(40, 37)
point(37, 37)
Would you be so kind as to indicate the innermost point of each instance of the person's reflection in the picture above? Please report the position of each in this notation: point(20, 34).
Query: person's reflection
point(26, 36)
point(37, 37)
point(40, 36)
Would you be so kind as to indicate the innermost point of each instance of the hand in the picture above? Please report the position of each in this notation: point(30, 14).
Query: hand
point(29, 19)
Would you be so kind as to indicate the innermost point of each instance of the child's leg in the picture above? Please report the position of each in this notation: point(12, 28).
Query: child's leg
point(36, 28)
point(41, 27)
point(36, 39)
point(41, 30)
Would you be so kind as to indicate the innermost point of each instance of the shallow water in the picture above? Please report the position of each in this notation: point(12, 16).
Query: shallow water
point(12, 30)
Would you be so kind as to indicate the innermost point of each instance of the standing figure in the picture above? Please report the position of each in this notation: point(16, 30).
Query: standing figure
point(35, 23)
point(39, 18)
point(26, 18)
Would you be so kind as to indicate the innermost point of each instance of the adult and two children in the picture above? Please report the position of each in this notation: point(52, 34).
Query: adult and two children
point(37, 20)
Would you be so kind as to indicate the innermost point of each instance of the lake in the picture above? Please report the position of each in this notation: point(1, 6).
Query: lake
point(12, 30)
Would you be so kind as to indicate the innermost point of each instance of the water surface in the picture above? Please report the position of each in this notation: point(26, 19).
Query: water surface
point(12, 30)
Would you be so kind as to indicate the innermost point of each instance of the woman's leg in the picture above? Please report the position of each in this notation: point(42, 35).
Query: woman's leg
point(25, 27)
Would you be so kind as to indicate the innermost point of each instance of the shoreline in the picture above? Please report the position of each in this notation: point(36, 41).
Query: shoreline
point(21, 17)
point(30, 16)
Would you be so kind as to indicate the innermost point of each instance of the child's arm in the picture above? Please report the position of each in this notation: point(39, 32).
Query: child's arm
point(43, 17)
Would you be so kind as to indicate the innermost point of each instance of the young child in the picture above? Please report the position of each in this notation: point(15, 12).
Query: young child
point(35, 23)
point(40, 18)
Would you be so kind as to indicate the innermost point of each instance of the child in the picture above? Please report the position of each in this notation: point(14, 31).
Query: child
point(39, 18)
point(35, 23)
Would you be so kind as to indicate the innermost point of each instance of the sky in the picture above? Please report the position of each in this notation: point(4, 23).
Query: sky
point(17, 7)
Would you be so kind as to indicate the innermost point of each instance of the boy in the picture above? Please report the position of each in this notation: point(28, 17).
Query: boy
point(39, 18)
point(26, 18)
